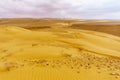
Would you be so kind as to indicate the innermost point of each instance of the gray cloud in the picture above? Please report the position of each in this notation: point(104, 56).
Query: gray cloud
point(83, 9)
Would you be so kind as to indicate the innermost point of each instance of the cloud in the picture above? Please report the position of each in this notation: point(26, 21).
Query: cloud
point(82, 9)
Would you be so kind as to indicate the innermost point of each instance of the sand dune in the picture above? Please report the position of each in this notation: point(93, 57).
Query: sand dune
point(58, 54)
point(106, 26)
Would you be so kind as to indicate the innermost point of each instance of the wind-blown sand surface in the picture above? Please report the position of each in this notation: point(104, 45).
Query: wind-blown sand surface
point(58, 54)
point(106, 26)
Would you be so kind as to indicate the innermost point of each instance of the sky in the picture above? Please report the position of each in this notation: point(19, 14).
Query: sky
point(76, 9)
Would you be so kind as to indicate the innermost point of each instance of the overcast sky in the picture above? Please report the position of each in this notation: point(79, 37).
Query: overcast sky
point(80, 9)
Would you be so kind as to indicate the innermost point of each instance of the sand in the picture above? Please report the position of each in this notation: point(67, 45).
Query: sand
point(106, 26)
point(58, 54)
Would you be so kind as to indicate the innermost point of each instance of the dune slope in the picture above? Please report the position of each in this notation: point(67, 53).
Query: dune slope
point(58, 54)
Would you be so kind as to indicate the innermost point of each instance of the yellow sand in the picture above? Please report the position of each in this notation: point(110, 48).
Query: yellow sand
point(58, 54)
